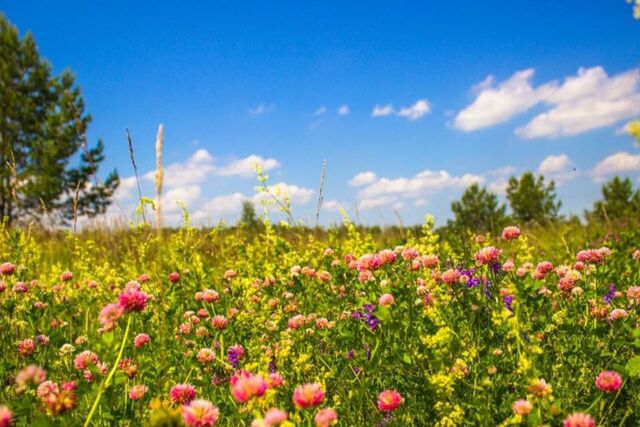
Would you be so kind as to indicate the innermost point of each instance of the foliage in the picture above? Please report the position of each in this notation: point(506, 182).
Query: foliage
point(619, 202)
point(470, 329)
point(531, 199)
point(478, 209)
point(248, 216)
point(42, 126)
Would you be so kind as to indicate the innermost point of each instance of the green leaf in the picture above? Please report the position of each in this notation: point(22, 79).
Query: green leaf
point(633, 366)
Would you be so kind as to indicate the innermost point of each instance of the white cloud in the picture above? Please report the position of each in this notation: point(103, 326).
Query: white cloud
point(246, 167)
point(416, 111)
point(506, 171)
point(187, 194)
point(497, 104)
point(374, 202)
point(201, 165)
point(421, 202)
point(500, 179)
point(231, 204)
point(320, 111)
point(382, 110)
point(332, 205)
point(193, 171)
point(487, 83)
point(363, 178)
point(220, 206)
point(297, 195)
point(588, 100)
point(558, 168)
point(261, 109)
point(554, 164)
point(425, 182)
point(413, 112)
point(499, 186)
point(126, 189)
point(620, 162)
point(344, 110)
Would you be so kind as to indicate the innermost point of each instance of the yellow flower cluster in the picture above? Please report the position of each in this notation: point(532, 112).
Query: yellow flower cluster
point(443, 383)
point(451, 415)
point(439, 339)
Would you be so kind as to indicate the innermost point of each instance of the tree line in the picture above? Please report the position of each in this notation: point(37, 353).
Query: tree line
point(532, 200)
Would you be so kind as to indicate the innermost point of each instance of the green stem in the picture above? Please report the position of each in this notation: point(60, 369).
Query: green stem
point(105, 383)
point(606, 413)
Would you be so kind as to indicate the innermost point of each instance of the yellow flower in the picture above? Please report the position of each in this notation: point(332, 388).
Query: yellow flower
point(442, 382)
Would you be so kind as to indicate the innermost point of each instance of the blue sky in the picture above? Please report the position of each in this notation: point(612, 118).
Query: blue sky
point(416, 99)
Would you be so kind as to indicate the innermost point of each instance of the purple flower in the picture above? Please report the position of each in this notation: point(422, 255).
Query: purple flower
point(366, 346)
point(368, 308)
point(487, 289)
point(356, 315)
point(273, 366)
point(610, 294)
point(351, 354)
point(234, 355)
point(496, 267)
point(473, 282)
point(508, 301)
point(372, 321)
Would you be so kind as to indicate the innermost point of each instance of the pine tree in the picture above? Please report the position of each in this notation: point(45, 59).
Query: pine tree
point(531, 199)
point(619, 202)
point(42, 127)
point(478, 210)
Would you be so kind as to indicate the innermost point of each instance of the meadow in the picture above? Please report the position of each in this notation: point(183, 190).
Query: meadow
point(285, 325)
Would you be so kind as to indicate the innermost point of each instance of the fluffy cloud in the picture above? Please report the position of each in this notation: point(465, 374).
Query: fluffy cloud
point(332, 205)
point(376, 202)
point(418, 110)
point(497, 104)
point(344, 110)
point(187, 194)
point(382, 110)
point(126, 189)
point(230, 205)
point(297, 195)
point(620, 162)
point(261, 109)
point(201, 165)
point(246, 167)
point(588, 100)
point(558, 168)
point(425, 182)
point(500, 179)
point(363, 178)
point(195, 170)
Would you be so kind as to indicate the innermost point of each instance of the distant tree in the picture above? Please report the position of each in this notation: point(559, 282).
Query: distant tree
point(619, 202)
point(478, 210)
point(42, 127)
point(531, 199)
point(248, 217)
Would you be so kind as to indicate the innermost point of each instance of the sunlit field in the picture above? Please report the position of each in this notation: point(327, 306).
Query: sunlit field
point(284, 326)
point(319, 214)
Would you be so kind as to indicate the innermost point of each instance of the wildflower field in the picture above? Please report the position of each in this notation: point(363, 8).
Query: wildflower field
point(273, 326)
